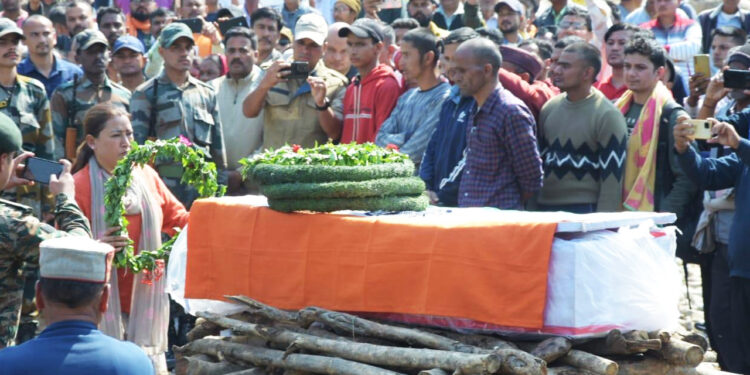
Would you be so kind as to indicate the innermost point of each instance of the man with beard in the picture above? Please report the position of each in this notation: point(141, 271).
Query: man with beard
point(422, 11)
point(267, 24)
point(79, 16)
point(242, 135)
point(509, 20)
point(23, 100)
point(128, 61)
point(336, 52)
point(503, 168)
point(12, 11)
point(176, 104)
point(41, 63)
point(72, 99)
point(138, 21)
point(613, 86)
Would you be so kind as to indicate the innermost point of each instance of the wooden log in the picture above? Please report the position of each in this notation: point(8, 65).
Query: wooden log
point(195, 366)
point(202, 329)
point(709, 369)
point(589, 362)
point(552, 349)
point(695, 339)
point(267, 311)
point(263, 357)
point(435, 371)
point(373, 354)
point(679, 352)
point(252, 371)
point(661, 335)
point(566, 370)
point(618, 343)
point(481, 341)
point(650, 366)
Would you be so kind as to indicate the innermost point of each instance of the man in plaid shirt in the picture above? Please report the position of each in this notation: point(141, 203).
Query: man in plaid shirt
point(503, 167)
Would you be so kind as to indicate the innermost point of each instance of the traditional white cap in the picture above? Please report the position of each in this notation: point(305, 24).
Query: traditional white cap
point(75, 258)
point(312, 26)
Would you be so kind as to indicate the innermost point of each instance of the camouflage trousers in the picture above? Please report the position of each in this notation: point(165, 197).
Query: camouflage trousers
point(11, 299)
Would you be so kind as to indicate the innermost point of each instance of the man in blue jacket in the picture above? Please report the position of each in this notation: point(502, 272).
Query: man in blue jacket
point(443, 160)
point(72, 296)
point(722, 173)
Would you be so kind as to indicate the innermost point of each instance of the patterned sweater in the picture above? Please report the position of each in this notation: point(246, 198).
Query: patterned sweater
point(583, 152)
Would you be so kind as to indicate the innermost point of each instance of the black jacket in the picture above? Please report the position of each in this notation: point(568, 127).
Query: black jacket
point(708, 19)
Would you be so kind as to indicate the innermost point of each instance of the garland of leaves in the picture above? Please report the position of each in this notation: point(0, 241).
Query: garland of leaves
point(198, 172)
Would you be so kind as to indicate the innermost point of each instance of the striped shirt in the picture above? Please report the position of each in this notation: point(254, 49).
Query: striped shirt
point(502, 159)
point(412, 121)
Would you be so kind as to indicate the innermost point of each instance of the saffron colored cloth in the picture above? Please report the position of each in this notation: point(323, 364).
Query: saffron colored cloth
point(173, 211)
point(445, 265)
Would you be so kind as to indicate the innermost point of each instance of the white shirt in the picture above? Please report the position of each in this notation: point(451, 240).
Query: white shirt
point(242, 135)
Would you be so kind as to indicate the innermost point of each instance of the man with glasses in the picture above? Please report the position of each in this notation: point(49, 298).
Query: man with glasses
point(509, 20)
point(577, 22)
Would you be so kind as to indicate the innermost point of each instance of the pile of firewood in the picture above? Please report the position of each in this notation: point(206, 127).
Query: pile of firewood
point(266, 340)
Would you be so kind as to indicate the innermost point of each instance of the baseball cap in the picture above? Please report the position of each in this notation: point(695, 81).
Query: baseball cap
point(311, 26)
point(512, 4)
point(89, 37)
point(172, 32)
point(130, 42)
point(75, 258)
point(364, 28)
point(9, 27)
point(10, 135)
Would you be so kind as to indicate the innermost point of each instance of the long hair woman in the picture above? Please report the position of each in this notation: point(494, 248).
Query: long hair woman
point(151, 210)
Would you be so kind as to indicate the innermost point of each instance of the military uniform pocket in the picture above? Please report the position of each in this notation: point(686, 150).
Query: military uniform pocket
point(203, 126)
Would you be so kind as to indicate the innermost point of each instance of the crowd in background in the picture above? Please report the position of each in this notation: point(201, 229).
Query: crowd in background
point(578, 106)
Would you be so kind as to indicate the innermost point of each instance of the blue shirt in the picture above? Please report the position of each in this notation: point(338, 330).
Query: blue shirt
point(74, 347)
point(290, 18)
point(62, 71)
point(443, 160)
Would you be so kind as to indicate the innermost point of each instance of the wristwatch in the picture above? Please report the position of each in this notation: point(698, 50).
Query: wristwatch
point(326, 104)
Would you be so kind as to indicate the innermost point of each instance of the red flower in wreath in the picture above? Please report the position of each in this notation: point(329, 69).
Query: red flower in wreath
point(295, 148)
point(391, 146)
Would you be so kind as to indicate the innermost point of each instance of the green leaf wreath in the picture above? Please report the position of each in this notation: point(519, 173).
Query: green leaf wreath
point(198, 172)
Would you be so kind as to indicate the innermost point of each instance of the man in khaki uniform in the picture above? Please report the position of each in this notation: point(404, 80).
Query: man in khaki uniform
point(300, 111)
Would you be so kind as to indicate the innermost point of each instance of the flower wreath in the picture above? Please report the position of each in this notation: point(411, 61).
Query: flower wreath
point(198, 172)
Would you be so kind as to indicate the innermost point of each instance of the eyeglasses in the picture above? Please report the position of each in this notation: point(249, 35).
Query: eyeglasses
point(572, 25)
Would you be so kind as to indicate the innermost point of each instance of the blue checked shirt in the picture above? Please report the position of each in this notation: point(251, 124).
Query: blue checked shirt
point(502, 159)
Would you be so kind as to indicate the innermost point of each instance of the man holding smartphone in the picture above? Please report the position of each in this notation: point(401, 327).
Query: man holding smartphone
point(21, 232)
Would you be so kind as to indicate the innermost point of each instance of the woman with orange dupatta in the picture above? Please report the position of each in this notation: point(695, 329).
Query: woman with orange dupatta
point(151, 210)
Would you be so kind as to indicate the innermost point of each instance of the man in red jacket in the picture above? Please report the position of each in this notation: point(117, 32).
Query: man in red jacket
point(373, 93)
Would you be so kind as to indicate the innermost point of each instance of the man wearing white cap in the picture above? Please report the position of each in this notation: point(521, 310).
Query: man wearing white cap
point(300, 110)
point(72, 296)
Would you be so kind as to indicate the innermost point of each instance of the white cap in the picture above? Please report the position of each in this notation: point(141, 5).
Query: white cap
point(75, 258)
point(311, 26)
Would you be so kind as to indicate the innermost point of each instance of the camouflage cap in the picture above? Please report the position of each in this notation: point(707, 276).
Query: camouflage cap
point(9, 27)
point(10, 135)
point(172, 32)
point(89, 37)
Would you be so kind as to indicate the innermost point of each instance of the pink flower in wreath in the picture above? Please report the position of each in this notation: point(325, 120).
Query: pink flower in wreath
point(391, 146)
point(185, 141)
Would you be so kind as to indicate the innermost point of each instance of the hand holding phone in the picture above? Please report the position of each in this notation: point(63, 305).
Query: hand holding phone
point(701, 129)
point(702, 65)
point(737, 79)
point(225, 26)
point(195, 24)
point(298, 69)
point(40, 170)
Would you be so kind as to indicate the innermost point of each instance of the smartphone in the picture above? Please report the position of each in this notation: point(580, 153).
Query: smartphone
point(737, 79)
point(39, 170)
point(224, 26)
point(702, 129)
point(299, 69)
point(702, 65)
point(195, 24)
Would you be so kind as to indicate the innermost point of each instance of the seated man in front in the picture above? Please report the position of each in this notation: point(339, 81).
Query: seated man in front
point(72, 296)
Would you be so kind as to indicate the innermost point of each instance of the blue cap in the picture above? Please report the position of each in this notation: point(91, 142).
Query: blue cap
point(129, 42)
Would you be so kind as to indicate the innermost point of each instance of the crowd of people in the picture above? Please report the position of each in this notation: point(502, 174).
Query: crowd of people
point(568, 106)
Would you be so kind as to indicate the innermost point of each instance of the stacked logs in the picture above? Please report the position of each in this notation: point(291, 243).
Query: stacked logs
point(266, 340)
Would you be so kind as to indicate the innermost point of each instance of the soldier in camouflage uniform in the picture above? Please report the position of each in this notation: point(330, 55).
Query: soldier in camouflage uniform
point(21, 232)
point(24, 100)
point(71, 100)
point(173, 104)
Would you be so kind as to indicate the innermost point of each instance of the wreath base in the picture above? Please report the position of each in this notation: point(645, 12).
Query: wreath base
point(391, 203)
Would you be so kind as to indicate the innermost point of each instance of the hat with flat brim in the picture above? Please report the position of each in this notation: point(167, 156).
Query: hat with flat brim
point(89, 38)
point(8, 27)
point(174, 31)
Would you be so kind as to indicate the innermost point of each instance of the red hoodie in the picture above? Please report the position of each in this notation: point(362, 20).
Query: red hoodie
point(368, 103)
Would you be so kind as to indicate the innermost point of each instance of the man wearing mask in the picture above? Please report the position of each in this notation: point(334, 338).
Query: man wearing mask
point(41, 63)
point(176, 104)
point(242, 135)
point(72, 99)
point(300, 111)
